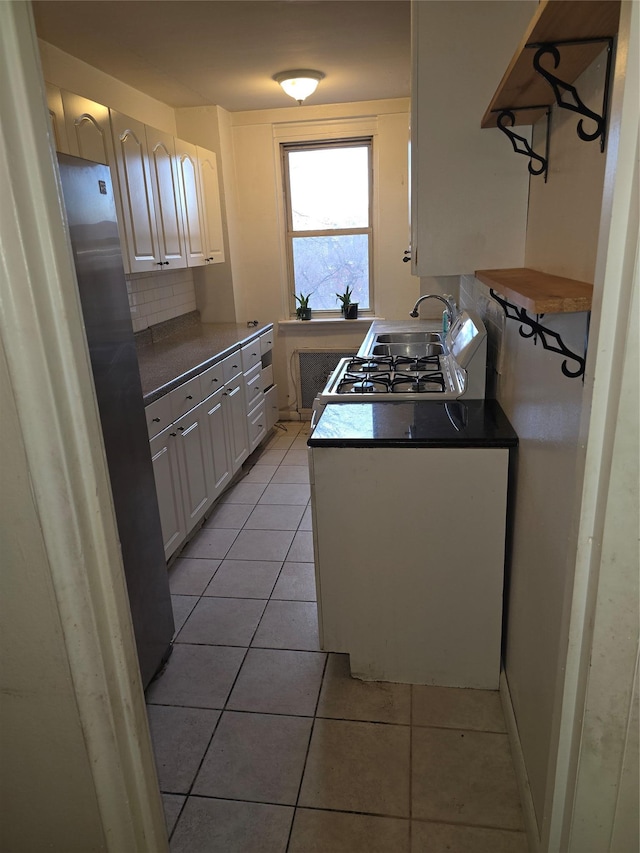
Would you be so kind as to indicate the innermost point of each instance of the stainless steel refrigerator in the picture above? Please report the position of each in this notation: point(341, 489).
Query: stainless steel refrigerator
point(93, 229)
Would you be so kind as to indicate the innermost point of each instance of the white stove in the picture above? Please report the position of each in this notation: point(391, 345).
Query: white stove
point(393, 367)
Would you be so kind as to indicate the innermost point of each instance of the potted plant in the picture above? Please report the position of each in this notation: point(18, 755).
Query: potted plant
point(303, 311)
point(349, 309)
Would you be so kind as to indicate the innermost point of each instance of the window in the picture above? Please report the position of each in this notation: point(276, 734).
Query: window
point(328, 207)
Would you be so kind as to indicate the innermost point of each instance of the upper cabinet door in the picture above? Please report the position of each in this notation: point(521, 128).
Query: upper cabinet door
point(212, 214)
point(187, 162)
point(138, 208)
point(468, 189)
point(56, 116)
point(168, 203)
point(88, 129)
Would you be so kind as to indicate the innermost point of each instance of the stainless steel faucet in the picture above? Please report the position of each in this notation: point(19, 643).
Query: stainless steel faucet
point(450, 309)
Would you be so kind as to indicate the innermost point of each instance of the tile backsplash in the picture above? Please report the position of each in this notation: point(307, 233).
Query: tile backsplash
point(158, 296)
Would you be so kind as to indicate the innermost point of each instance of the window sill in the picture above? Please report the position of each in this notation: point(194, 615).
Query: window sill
point(328, 321)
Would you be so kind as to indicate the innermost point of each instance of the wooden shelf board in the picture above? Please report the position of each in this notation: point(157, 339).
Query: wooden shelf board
point(555, 20)
point(539, 292)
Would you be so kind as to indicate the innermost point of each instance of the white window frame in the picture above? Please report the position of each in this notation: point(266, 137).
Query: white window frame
point(330, 130)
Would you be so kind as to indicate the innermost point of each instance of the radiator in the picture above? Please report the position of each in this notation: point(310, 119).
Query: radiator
point(313, 369)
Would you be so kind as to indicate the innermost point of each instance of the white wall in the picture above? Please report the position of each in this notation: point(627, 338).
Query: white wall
point(74, 75)
point(257, 253)
point(41, 727)
point(549, 412)
point(77, 770)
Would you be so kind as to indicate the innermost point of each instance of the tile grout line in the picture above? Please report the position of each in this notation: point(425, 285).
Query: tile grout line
point(306, 756)
point(249, 646)
point(410, 766)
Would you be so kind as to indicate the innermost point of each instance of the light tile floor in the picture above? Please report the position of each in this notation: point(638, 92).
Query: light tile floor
point(264, 743)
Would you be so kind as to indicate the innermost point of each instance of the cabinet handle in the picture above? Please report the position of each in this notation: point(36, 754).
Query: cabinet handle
point(173, 434)
point(189, 396)
point(210, 259)
point(162, 263)
point(224, 394)
point(156, 420)
point(180, 429)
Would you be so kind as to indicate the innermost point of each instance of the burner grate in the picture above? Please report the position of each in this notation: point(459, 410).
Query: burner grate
point(425, 383)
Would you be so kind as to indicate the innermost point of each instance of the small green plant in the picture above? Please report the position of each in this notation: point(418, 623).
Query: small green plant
point(345, 299)
point(303, 304)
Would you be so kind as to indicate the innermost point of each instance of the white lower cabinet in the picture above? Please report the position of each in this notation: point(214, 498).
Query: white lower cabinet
point(194, 456)
point(199, 439)
point(257, 425)
point(271, 406)
point(236, 414)
point(220, 455)
point(164, 456)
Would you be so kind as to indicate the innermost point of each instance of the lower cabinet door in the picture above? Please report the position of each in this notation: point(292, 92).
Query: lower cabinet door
point(271, 406)
point(236, 422)
point(257, 425)
point(220, 455)
point(194, 454)
point(164, 455)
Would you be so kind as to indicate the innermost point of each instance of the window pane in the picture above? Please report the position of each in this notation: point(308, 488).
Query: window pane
point(329, 188)
point(325, 266)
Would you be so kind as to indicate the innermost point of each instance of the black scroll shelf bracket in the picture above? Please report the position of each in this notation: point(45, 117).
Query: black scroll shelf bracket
point(538, 165)
point(566, 95)
point(551, 341)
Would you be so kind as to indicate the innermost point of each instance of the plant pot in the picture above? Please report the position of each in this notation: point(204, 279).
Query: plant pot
point(304, 313)
point(351, 311)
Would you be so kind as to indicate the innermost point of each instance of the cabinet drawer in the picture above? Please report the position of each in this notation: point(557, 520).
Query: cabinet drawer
point(185, 397)
point(250, 355)
point(257, 425)
point(253, 386)
point(271, 406)
point(267, 376)
point(211, 379)
point(266, 342)
point(232, 366)
point(158, 415)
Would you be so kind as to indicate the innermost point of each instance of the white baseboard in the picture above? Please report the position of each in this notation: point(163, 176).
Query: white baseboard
point(530, 822)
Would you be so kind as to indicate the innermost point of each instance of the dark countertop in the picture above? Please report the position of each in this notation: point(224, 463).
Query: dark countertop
point(186, 351)
point(473, 423)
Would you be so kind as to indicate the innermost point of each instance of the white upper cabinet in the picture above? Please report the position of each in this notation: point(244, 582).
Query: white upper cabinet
point(88, 134)
point(468, 188)
point(167, 190)
point(168, 203)
point(138, 206)
point(188, 171)
point(211, 210)
point(56, 117)
point(88, 129)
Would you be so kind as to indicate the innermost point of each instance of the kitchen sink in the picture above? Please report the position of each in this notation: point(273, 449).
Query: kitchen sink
point(409, 338)
point(412, 350)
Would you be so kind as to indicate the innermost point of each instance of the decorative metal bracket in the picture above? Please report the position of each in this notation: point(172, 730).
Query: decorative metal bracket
point(535, 330)
point(573, 102)
point(521, 145)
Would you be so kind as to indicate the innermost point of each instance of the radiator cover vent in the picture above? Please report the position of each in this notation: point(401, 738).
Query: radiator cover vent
point(314, 367)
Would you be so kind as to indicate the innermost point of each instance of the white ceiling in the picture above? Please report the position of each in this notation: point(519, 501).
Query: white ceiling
point(190, 53)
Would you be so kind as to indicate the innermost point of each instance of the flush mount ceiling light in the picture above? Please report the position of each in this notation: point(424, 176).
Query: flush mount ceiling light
point(299, 84)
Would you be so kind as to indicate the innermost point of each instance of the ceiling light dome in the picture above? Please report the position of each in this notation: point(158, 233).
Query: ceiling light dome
point(300, 83)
